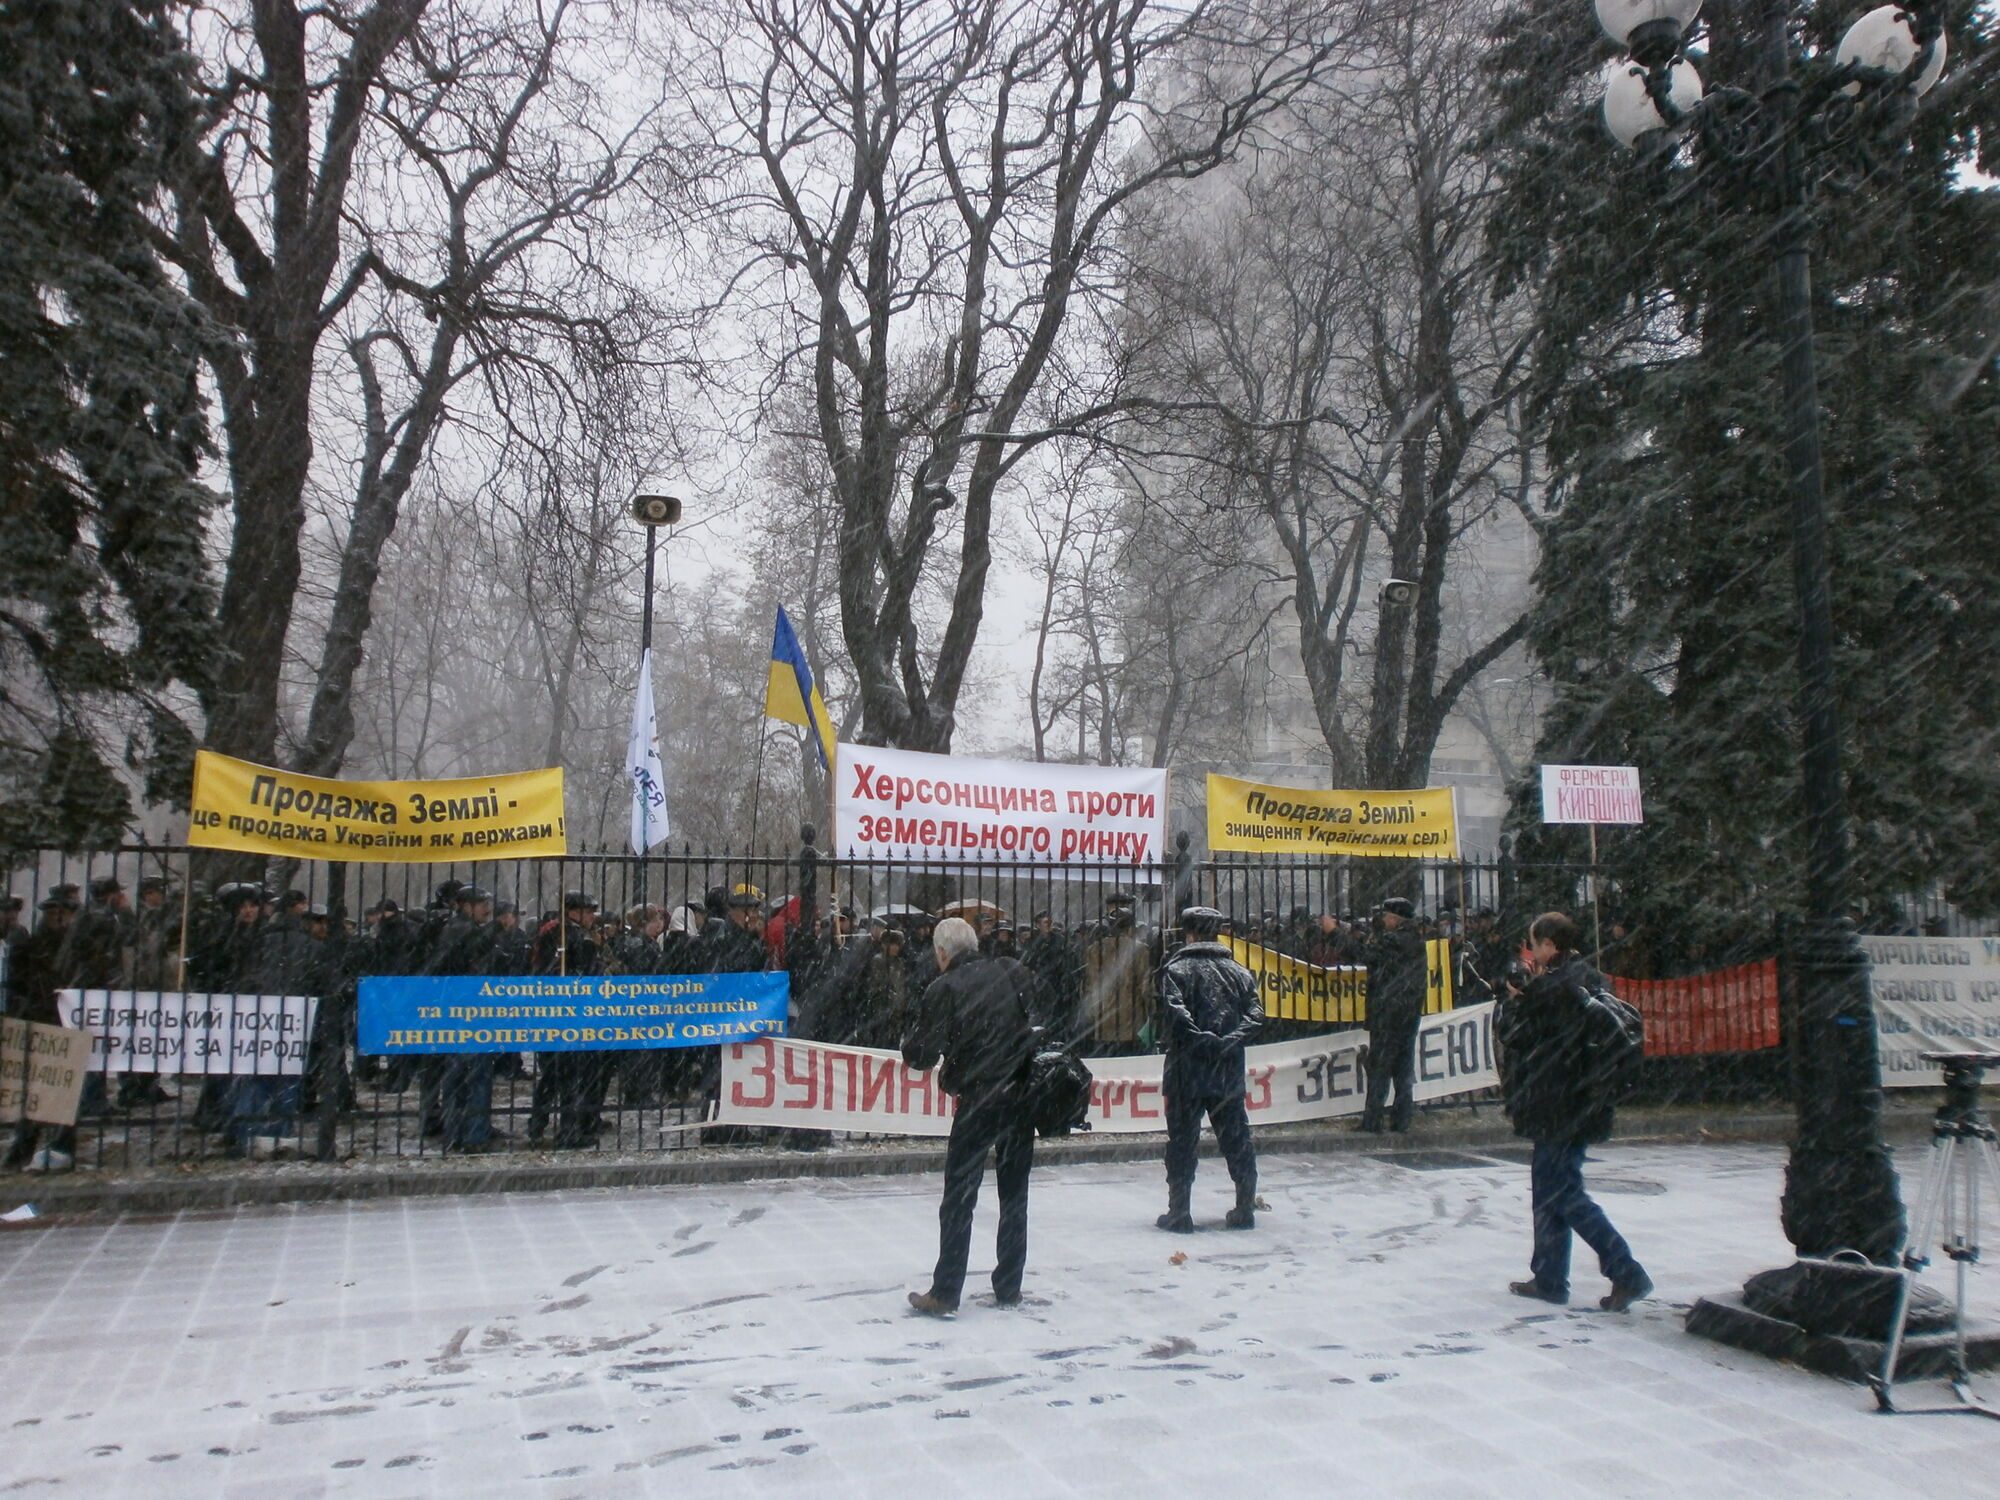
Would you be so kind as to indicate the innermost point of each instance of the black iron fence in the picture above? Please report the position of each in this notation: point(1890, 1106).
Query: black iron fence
point(348, 1105)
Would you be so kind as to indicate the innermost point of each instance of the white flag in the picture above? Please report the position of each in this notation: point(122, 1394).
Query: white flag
point(642, 759)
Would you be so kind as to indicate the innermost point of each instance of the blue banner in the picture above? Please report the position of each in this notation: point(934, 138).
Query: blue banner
point(411, 1014)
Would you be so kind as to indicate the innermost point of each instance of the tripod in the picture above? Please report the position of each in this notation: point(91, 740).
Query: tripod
point(1963, 1157)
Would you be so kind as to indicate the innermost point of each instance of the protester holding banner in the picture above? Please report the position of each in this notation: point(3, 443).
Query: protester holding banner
point(263, 1108)
point(1555, 1102)
point(464, 1095)
point(1397, 981)
point(976, 1017)
point(34, 976)
point(1209, 1005)
point(570, 1086)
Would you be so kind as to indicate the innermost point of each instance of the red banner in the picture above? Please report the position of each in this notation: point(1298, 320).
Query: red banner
point(1730, 1010)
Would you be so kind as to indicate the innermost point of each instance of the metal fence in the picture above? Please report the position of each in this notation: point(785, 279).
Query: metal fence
point(363, 1107)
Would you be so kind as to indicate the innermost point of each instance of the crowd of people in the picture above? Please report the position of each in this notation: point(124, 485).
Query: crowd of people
point(966, 991)
point(856, 979)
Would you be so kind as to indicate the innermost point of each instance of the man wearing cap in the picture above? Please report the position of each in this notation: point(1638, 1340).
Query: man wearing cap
point(97, 954)
point(570, 1086)
point(263, 1105)
point(154, 965)
point(461, 1106)
point(1396, 981)
point(1055, 963)
point(1209, 1003)
point(1118, 987)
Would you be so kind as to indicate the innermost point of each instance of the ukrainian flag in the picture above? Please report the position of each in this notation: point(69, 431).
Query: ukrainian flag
point(791, 694)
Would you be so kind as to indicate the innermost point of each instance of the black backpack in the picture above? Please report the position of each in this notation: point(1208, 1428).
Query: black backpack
point(1614, 1042)
point(1055, 1082)
point(1058, 1092)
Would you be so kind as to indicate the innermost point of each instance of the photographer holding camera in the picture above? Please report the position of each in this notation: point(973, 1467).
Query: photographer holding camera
point(1396, 979)
point(1559, 1099)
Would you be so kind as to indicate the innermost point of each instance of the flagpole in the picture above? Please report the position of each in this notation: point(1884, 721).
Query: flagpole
point(757, 788)
point(651, 512)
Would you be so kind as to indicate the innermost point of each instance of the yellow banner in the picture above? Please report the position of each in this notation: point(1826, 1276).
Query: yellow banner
point(1291, 989)
point(1251, 817)
point(238, 805)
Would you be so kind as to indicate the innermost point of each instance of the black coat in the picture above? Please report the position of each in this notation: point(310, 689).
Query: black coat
point(513, 950)
point(464, 947)
point(977, 1017)
point(638, 953)
point(1210, 1005)
point(725, 948)
point(288, 962)
point(96, 951)
point(1396, 978)
point(35, 975)
point(1541, 1035)
point(221, 964)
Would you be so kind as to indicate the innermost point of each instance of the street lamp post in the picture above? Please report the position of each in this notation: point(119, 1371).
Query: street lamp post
point(651, 512)
point(1841, 1197)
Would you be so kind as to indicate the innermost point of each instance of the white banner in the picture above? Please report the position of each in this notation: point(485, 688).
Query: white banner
point(1591, 794)
point(906, 805)
point(818, 1086)
point(1932, 995)
point(165, 1031)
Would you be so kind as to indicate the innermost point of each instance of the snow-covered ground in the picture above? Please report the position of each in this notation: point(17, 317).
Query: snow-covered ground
point(753, 1339)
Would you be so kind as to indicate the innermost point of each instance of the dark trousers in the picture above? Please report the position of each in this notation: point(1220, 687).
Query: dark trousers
point(1392, 1059)
point(261, 1104)
point(1000, 1125)
point(1231, 1123)
point(465, 1099)
point(1561, 1207)
point(570, 1086)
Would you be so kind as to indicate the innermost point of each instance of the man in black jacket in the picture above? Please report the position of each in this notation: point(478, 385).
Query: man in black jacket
point(460, 1106)
point(571, 1085)
point(1209, 1004)
point(977, 1017)
point(1396, 979)
point(1554, 1102)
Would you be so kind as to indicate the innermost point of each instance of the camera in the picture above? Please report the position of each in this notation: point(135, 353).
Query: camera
point(1398, 593)
point(656, 510)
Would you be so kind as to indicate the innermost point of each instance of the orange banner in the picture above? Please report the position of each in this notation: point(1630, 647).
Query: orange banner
point(1729, 1010)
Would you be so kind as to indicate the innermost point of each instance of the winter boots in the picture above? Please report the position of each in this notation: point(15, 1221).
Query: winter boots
point(1177, 1219)
point(1244, 1215)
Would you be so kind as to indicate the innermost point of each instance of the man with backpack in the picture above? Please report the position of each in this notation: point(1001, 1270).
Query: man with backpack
point(977, 1016)
point(1569, 1050)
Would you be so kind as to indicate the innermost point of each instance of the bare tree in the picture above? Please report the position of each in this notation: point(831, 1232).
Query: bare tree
point(1322, 315)
point(933, 191)
point(387, 199)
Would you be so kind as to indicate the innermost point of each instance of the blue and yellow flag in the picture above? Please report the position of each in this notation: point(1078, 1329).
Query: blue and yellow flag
point(791, 694)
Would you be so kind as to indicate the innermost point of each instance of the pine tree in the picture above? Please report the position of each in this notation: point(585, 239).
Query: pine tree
point(1665, 614)
point(105, 597)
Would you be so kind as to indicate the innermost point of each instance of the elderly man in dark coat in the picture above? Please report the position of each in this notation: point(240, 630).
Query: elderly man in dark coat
point(978, 1017)
point(1209, 1004)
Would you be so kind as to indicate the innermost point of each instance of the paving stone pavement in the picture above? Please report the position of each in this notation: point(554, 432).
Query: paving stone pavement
point(752, 1339)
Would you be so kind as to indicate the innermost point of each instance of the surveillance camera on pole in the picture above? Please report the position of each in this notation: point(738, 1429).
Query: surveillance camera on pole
point(656, 510)
point(1397, 593)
